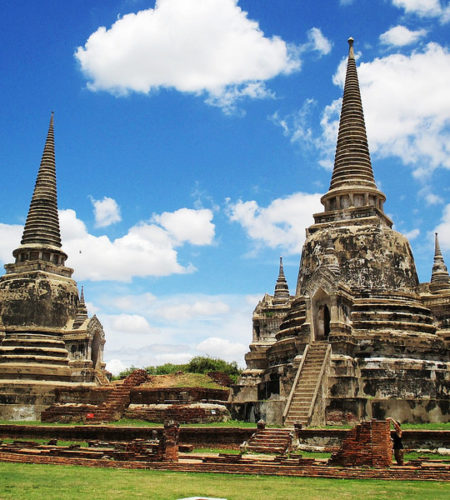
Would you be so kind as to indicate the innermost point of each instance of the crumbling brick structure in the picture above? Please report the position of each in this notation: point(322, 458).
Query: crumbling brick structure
point(369, 443)
point(168, 444)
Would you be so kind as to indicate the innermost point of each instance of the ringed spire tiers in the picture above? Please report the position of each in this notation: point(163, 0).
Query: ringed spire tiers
point(281, 294)
point(42, 225)
point(41, 239)
point(352, 187)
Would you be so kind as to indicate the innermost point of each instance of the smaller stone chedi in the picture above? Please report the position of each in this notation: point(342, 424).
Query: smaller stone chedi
point(361, 338)
point(47, 339)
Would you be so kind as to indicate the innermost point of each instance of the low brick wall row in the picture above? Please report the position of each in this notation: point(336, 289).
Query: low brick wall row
point(151, 395)
point(408, 473)
point(140, 395)
point(184, 414)
point(217, 436)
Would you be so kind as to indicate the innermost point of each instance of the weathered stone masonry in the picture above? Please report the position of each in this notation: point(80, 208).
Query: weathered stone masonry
point(361, 338)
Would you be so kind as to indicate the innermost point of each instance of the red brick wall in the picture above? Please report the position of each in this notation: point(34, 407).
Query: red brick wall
point(369, 443)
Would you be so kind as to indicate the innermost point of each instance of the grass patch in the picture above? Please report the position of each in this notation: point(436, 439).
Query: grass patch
point(229, 423)
point(144, 423)
point(83, 444)
point(35, 482)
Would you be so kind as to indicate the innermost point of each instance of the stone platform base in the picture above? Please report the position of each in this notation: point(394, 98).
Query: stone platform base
point(26, 400)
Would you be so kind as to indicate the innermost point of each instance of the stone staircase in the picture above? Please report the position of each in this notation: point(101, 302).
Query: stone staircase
point(306, 384)
point(119, 398)
point(101, 378)
point(112, 409)
point(270, 441)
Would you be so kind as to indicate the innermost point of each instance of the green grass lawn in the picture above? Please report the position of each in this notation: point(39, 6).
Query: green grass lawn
point(28, 481)
point(229, 423)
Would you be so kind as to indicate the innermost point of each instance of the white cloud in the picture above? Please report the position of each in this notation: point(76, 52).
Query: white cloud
point(407, 108)
point(132, 303)
point(430, 197)
point(146, 250)
point(443, 229)
point(400, 36)
point(412, 235)
point(187, 225)
point(319, 42)
point(186, 333)
point(425, 8)
point(106, 212)
point(115, 366)
point(182, 311)
point(195, 46)
point(280, 225)
point(222, 348)
point(10, 236)
point(129, 323)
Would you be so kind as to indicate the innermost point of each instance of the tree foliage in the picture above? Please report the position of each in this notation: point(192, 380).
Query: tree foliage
point(198, 364)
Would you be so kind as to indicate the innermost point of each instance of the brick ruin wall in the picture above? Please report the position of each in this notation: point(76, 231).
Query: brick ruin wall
point(369, 443)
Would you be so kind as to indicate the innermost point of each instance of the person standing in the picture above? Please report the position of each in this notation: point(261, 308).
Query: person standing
point(397, 441)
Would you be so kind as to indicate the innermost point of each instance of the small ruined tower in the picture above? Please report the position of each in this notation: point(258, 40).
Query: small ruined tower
point(281, 294)
point(440, 279)
point(82, 314)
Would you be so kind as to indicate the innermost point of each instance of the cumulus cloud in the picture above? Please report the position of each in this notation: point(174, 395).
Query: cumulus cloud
point(399, 36)
point(281, 224)
point(203, 47)
point(185, 333)
point(222, 348)
point(10, 236)
point(412, 235)
point(319, 42)
point(430, 197)
point(188, 225)
point(106, 212)
point(443, 229)
point(115, 366)
point(425, 8)
point(407, 108)
point(183, 311)
point(148, 249)
point(133, 323)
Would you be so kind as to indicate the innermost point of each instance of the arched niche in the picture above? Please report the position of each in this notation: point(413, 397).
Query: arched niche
point(321, 315)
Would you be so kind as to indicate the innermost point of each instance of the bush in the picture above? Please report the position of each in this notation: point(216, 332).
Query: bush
point(205, 364)
point(199, 364)
point(166, 369)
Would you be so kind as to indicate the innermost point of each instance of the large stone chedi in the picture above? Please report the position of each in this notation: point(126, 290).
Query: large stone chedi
point(46, 336)
point(361, 337)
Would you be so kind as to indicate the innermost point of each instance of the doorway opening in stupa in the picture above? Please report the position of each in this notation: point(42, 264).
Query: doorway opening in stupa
point(322, 316)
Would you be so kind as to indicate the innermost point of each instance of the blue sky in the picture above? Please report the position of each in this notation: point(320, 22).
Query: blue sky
point(194, 139)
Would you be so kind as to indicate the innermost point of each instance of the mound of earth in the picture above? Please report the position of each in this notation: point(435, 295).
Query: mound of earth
point(181, 379)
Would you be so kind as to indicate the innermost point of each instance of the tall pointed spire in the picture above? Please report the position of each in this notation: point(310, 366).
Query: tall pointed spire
point(42, 224)
point(281, 295)
point(440, 279)
point(352, 187)
point(41, 239)
point(352, 160)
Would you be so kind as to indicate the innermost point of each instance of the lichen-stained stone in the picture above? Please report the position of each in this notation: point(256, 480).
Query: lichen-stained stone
point(357, 292)
point(47, 340)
